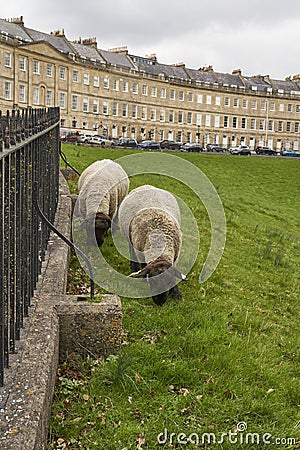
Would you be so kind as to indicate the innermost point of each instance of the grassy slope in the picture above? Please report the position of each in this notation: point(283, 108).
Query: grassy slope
point(228, 352)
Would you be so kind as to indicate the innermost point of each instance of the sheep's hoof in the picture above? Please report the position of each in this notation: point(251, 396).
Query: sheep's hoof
point(176, 294)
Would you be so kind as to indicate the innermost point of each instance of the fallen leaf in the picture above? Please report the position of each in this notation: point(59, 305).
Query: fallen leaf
point(137, 378)
point(85, 397)
point(184, 391)
point(269, 391)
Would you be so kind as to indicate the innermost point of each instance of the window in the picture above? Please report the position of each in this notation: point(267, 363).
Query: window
point(181, 96)
point(281, 107)
point(288, 126)
point(135, 88)
point(7, 90)
point(226, 121)
point(172, 94)
point(115, 108)
point(227, 101)
point(272, 106)
point(144, 90)
point(261, 124)
point(86, 79)
point(153, 91)
point(254, 104)
point(22, 63)
point(189, 117)
point(162, 116)
point(217, 121)
point(199, 119)
point(253, 124)
point(22, 93)
point(152, 114)
point(95, 106)
point(180, 117)
point(280, 125)
point(75, 76)
point(49, 70)
point(36, 67)
point(171, 116)
point(290, 107)
point(245, 103)
point(106, 83)
point(296, 127)
point(236, 102)
point(35, 96)
point(163, 93)
point(244, 123)
point(271, 125)
point(85, 104)
point(208, 99)
point(62, 73)
point(207, 120)
point(218, 101)
point(62, 100)
point(134, 111)
point(199, 98)
point(48, 98)
point(190, 97)
point(115, 85)
point(105, 108)
point(297, 108)
point(144, 112)
point(234, 122)
point(75, 102)
point(96, 81)
point(124, 110)
point(125, 86)
point(263, 105)
point(7, 60)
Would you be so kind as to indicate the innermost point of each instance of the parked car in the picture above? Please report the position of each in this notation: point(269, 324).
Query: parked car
point(291, 153)
point(215, 148)
point(169, 144)
point(101, 141)
point(84, 138)
point(70, 136)
point(241, 150)
point(265, 151)
point(150, 145)
point(127, 142)
point(191, 147)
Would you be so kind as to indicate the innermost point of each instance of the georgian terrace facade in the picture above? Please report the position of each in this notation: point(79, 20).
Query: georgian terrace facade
point(114, 93)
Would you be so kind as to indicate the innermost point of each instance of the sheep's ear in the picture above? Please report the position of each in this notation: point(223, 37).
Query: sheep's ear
point(140, 274)
point(178, 274)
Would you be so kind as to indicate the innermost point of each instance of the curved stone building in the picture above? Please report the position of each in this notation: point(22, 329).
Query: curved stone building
point(114, 93)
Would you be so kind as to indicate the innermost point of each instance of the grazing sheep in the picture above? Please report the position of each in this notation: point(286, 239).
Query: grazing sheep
point(102, 186)
point(150, 220)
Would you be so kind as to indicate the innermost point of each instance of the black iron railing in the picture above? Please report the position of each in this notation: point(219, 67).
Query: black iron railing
point(29, 156)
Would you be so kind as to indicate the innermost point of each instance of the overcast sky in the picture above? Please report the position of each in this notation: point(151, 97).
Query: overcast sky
point(256, 36)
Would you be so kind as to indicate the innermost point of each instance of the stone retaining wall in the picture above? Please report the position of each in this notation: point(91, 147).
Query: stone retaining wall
point(57, 325)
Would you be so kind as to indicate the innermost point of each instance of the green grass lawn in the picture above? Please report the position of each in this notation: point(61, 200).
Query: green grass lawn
point(223, 358)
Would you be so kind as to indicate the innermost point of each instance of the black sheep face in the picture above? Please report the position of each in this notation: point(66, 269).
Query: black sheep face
point(161, 276)
point(96, 226)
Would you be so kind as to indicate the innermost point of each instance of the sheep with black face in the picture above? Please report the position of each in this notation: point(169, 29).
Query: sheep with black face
point(102, 186)
point(149, 218)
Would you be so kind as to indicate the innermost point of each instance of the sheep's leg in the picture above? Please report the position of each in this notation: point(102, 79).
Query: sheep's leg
point(175, 292)
point(134, 264)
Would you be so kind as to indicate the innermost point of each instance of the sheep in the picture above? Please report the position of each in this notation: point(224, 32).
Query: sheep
point(149, 218)
point(102, 186)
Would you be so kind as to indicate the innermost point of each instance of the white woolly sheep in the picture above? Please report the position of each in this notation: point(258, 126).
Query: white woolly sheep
point(149, 218)
point(102, 186)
